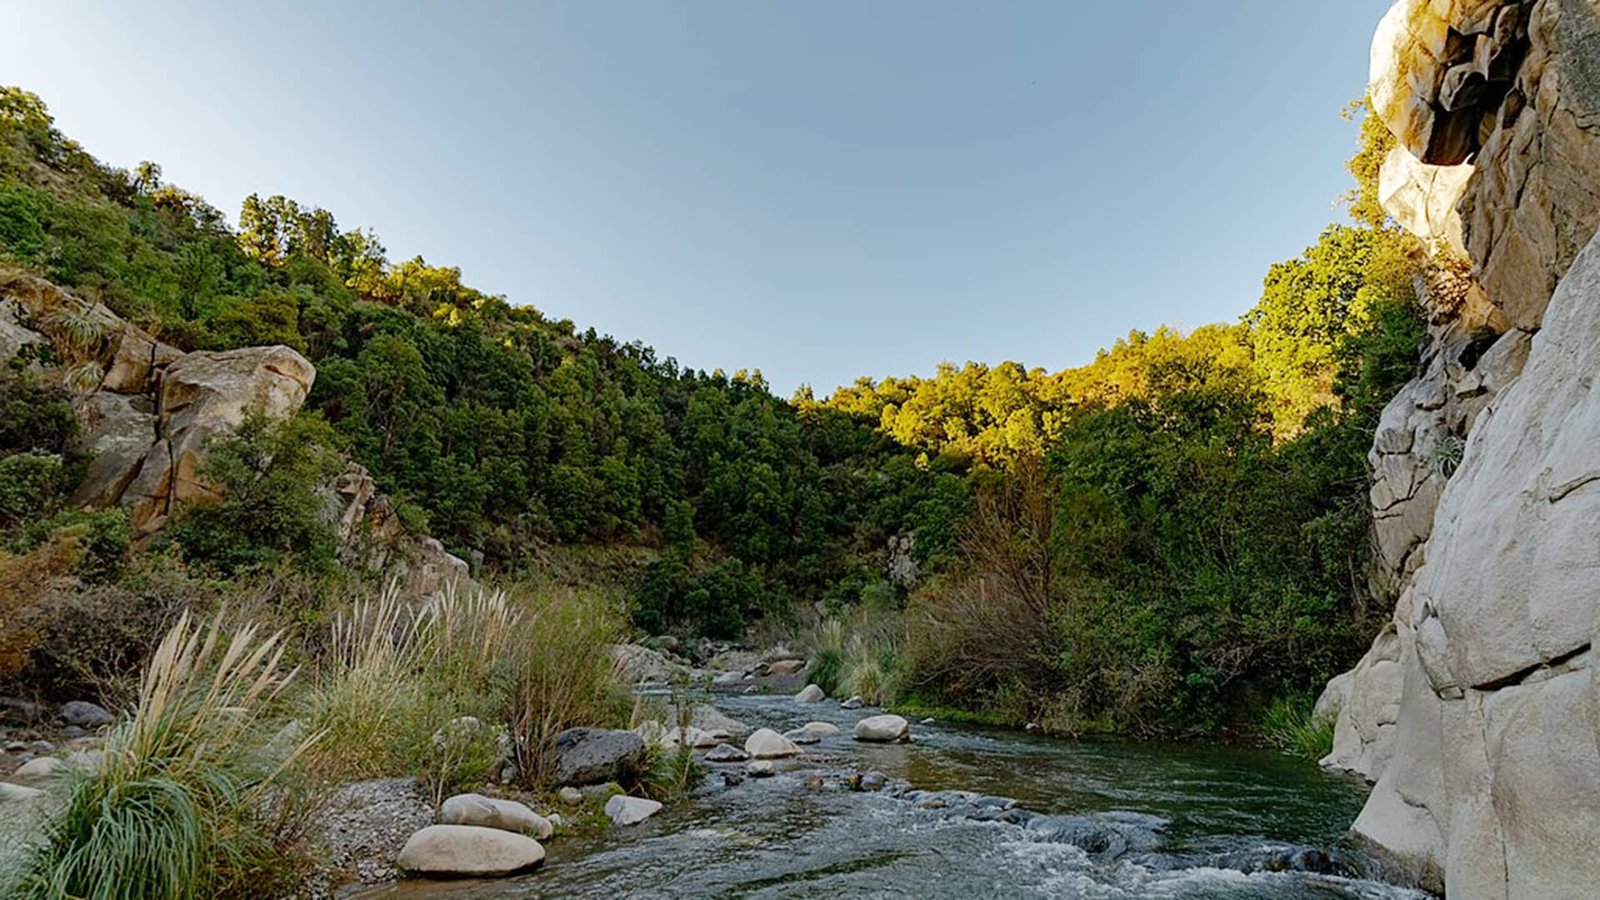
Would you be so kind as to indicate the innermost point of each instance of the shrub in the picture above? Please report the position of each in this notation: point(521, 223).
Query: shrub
point(103, 536)
point(34, 415)
point(174, 809)
point(870, 671)
point(430, 692)
point(270, 511)
point(28, 483)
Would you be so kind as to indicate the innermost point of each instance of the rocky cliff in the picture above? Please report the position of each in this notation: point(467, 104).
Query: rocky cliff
point(147, 410)
point(1476, 712)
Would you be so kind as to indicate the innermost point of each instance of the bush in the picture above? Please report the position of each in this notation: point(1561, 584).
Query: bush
point(825, 665)
point(270, 511)
point(34, 415)
point(175, 808)
point(563, 673)
point(102, 535)
point(29, 483)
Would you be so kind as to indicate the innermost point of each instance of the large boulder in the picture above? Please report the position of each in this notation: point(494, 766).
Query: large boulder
point(117, 431)
point(208, 394)
point(450, 851)
point(714, 721)
point(84, 714)
point(884, 729)
point(596, 756)
point(811, 732)
point(136, 361)
point(15, 337)
point(38, 772)
point(726, 753)
point(492, 812)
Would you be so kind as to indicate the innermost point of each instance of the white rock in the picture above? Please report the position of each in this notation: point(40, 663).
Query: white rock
point(884, 729)
point(491, 812)
point(810, 694)
point(571, 796)
point(853, 703)
point(768, 744)
point(760, 768)
point(466, 850)
point(36, 772)
point(625, 810)
point(812, 732)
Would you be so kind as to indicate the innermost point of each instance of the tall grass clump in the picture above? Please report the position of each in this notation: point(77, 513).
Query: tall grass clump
point(825, 663)
point(364, 694)
point(564, 674)
point(871, 670)
point(468, 679)
point(1290, 724)
point(177, 807)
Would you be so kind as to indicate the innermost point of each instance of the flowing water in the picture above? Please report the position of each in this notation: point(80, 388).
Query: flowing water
point(1117, 820)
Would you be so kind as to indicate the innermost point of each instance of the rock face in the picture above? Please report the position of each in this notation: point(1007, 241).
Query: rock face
point(1494, 772)
point(1422, 198)
point(637, 664)
point(148, 414)
point(597, 755)
point(448, 851)
point(1476, 712)
point(1517, 86)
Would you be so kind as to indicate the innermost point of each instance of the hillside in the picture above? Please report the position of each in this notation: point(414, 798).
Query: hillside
point(1198, 534)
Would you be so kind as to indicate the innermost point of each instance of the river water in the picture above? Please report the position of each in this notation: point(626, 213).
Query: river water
point(1115, 821)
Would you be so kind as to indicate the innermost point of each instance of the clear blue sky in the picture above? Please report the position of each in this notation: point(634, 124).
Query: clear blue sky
point(817, 189)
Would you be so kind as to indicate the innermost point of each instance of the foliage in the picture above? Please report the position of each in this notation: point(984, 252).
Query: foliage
point(101, 535)
point(268, 511)
point(1147, 542)
point(34, 416)
point(1289, 724)
point(28, 482)
point(1373, 146)
point(174, 808)
point(433, 691)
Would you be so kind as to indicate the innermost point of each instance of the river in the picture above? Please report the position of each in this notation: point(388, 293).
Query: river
point(1117, 820)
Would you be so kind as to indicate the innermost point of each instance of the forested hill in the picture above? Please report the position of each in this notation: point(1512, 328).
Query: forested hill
point(1177, 519)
